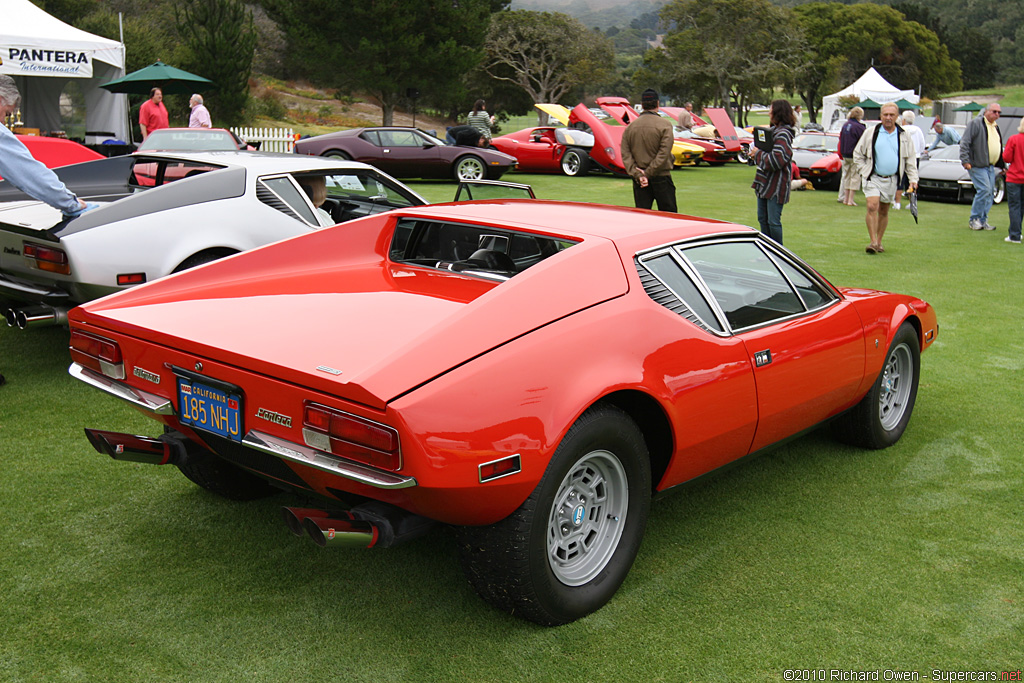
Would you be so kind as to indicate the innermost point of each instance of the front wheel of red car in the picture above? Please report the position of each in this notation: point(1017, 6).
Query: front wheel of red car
point(882, 416)
point(470, 168)
point(564, 553)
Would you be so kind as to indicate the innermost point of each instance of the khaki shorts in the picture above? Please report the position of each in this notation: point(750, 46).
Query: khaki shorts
point(851, 179)
point(883, 188)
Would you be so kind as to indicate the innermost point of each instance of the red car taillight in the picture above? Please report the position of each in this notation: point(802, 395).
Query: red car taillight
point(348, 436)
point(50, 259)
point(97, 353)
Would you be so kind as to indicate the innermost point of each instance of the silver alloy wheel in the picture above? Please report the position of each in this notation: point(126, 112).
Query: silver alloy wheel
point(897, 383)
point(571, 163)
point(587, 518)
point(999, 190)
point(470, 168)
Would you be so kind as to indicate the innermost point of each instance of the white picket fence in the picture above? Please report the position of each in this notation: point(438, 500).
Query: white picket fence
point(271, 139)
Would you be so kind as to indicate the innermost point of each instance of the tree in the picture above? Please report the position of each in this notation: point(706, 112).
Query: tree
point(221, 39)
point(384, 47)
point(722, 48)
point(845, 40)
point(547, 54)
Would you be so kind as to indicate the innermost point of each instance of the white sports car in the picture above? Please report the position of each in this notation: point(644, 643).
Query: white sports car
point(160, 213)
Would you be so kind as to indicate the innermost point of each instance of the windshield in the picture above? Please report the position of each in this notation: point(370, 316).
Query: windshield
point(190, 140)
point(823, 143)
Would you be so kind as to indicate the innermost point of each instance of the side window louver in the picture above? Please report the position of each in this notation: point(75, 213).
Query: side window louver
point(273, 201)
point(663, 296)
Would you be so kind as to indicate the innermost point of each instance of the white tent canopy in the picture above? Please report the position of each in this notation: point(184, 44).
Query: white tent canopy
point(870, 86)
point(44, 55)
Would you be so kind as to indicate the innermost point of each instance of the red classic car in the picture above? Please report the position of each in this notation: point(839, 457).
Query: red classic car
point(546, 149)
point(528, 371)
point(817, 157)
point(57, 152)
point(409, 153)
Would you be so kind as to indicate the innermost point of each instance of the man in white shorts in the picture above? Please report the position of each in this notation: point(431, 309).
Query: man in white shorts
point(883, 155)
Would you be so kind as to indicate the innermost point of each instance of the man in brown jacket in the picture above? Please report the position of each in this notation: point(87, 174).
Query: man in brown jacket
point(647, 156)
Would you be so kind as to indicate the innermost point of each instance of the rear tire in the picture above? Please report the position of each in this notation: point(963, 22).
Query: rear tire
point(881, 417)
point(201, 258)
point(337, 154)
point(564, 553)
point(575, 162)
point(224, 478)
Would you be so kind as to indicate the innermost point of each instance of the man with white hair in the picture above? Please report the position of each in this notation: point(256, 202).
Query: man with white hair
point(882, 156)
point(917, 137)
point(200, 117)
point(19, 168)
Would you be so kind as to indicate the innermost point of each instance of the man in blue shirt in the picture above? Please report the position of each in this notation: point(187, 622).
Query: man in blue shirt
point(944, 135)
point(18, 167)
point(884, 154)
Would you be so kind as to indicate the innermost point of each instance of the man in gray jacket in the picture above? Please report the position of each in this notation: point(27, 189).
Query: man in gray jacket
point(981, 150)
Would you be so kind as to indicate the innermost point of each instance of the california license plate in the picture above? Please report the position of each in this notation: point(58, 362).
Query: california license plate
point(210, 409)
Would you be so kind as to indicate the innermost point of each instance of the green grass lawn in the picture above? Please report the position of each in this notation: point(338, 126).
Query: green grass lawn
point(815, 556)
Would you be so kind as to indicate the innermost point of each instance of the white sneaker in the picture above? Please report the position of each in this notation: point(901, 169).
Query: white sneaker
point(1011, 240)
point(896, 206)
point(974, 224)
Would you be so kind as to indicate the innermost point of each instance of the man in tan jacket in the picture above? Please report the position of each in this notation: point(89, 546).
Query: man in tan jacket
point(647, 156)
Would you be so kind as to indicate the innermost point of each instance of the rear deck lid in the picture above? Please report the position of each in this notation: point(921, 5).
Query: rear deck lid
point(333, 315)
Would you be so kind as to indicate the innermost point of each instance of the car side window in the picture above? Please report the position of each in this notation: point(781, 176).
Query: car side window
point(399, 138)
point(372, 137)
point(813, 294)
point(286, 191)
point(748, 286)
point(665, 268)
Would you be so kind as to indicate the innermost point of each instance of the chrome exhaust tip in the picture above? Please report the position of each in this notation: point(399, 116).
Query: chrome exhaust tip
point(39, 316)
point(132, 448)
point(294, 517)
point(11, 316)
point(341, 533)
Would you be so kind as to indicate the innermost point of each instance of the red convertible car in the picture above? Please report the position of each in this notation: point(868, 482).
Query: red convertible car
point(409, 153)
point(531, 372)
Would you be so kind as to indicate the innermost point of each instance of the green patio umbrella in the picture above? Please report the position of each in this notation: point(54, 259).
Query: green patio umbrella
point(905, 104)
point(158, 75)
point(868, 104)
point(970, 106)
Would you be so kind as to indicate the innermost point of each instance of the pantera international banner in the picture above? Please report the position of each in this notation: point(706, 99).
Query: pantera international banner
point(45, 56)
point(22, 60)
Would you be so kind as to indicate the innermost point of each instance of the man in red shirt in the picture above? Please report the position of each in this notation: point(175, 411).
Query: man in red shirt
point(153, 114)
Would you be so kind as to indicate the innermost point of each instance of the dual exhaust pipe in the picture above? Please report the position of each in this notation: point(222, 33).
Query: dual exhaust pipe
point(334, 529)
point(35, 316)
point(372, 524)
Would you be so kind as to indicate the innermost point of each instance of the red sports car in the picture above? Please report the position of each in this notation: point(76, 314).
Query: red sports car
point(546, 149)
point(409, 153)
point(57, 152)
point(817, 157)
point(531, 372)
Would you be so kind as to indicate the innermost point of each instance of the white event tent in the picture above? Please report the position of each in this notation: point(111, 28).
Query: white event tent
point(43, 54)
point(870, 86)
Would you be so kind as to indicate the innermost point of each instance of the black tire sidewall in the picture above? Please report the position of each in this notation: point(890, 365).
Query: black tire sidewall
point(606, 429)
point(881, 437)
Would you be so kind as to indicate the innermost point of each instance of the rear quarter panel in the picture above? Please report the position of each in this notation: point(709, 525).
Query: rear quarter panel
point(157, 243)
